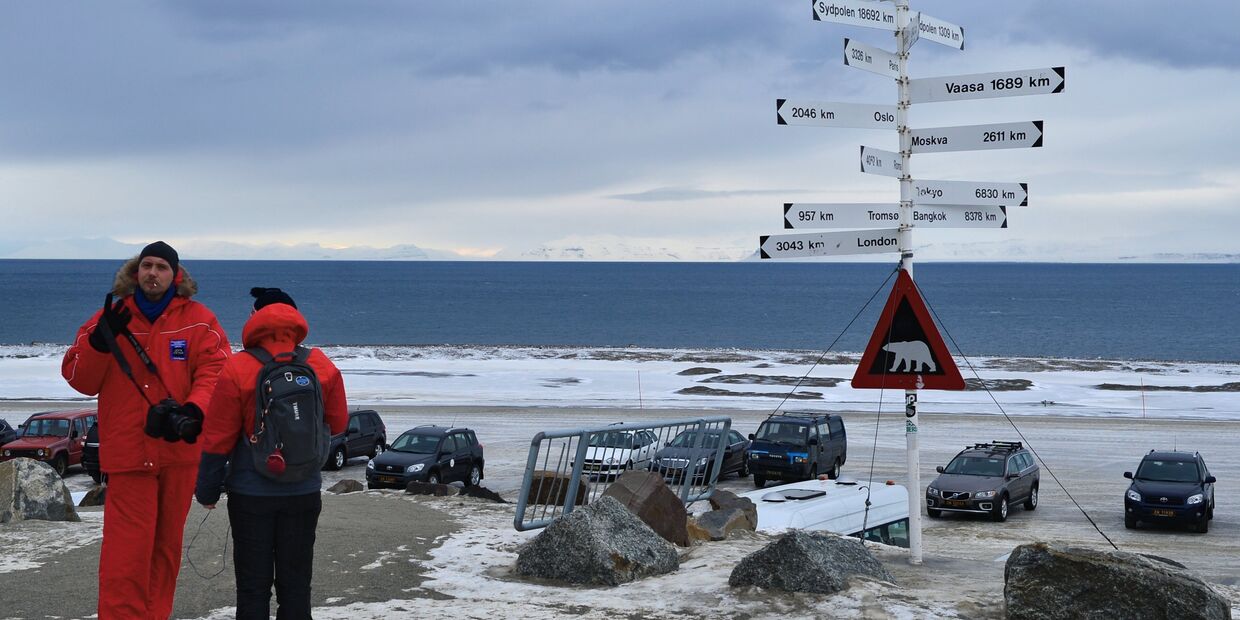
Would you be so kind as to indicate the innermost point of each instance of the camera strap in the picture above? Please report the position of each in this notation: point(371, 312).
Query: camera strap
point(115, 348)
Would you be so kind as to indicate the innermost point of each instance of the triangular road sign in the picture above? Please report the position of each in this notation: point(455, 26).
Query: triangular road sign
point(906, 351)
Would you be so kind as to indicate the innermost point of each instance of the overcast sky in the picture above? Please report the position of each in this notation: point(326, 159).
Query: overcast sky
point(482, 127)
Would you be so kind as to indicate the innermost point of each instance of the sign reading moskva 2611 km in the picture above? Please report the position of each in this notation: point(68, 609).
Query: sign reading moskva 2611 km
point(828, 114)
point(829, 243)
point(1047, 81)
point(977, 137)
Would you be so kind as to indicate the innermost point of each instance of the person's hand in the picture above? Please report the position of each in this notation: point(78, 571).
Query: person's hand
point(116, 316)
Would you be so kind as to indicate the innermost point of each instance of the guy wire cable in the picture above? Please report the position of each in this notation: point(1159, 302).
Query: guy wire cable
point(1010, 421)
point(865, 519)
point(223, 555)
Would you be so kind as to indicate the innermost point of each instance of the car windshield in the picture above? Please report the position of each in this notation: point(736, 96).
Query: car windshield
point(782, 432)
point(975, 466)
point(612, 439)
point(686, 439)
point(46, 427)
point(416, 443)
point(1168, 471)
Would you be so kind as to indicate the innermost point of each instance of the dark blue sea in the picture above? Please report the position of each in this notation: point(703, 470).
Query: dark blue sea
point(1188, 312)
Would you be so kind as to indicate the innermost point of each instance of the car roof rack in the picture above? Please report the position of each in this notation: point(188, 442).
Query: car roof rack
point(800, 414)
point(997, 446)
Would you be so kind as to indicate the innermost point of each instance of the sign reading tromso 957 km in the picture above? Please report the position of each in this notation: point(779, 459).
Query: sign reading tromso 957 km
point(1047, 81)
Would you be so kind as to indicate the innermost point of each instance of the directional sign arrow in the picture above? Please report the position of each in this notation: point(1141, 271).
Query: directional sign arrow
point(978, 137)
point(871, 59)
point(878, 161)
point(970, 193)
point(829, 243)
point(804, 215)
point(856, 13)
point(828, 114)
point(939, 31)
point(1045, 81)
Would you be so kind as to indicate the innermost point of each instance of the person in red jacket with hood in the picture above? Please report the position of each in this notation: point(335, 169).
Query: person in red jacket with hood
point(273, 523)
point(151, 465)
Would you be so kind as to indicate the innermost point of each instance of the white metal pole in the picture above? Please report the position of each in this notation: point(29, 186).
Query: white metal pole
point(906, 263)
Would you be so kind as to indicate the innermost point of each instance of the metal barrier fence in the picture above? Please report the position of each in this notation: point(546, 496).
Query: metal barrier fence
point(570, 468)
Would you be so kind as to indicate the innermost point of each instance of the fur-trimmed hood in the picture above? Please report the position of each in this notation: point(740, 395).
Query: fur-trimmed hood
point(127, 280)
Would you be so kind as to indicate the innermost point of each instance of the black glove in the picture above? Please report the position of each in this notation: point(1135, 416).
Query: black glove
point(117, 317)
point(191, 424)
point(157, 419)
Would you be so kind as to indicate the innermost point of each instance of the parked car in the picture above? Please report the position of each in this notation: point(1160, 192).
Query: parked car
point(612, 452)
point(366, 435)
point(434, 454)
point(985, 478)
point(680, 458)
point(798, 446)
point(90, 453)
point(873, 512)
point(1170, 487)
point(7, 433)
point(54, 437)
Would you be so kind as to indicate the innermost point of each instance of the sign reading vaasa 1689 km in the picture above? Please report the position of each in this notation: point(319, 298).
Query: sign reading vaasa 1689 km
point(1046, 81)
point(977, 137)
point(970, 193)
point(828, 114)
point(800, 215)
point(829, 243)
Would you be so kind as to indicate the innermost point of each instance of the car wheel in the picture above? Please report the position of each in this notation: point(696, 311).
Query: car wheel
point(834, 472)
point(433, 478)
point(934, 513)
point(475, 475)
point(1203, 525)
point(1032, 502)
point(759, 481)
point(338, 459)
point(60, 464)
point(1130, 522)
point(1000, 512)
point(380, 446)
point(744, 472)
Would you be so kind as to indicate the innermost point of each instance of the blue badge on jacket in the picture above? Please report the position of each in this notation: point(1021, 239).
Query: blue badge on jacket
point(178, 350)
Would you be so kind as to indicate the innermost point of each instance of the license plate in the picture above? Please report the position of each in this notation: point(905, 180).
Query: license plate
point(1162, 512)
point(389, 479)
point(956, 503)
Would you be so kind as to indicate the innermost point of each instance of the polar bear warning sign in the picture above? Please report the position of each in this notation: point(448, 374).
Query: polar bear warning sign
point(906, 351)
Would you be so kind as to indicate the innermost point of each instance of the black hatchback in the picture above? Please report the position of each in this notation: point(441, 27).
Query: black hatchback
point(690, 454)
point(1170, 487)
point(366, 435)
point(435, 454)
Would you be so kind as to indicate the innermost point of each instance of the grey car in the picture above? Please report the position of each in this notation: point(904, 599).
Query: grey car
point(985, 478)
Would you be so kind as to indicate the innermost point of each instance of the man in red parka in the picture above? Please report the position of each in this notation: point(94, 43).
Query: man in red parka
point(273, 522)
point(151, 465)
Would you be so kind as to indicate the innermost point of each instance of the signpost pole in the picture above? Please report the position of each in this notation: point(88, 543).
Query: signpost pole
point(904, 41)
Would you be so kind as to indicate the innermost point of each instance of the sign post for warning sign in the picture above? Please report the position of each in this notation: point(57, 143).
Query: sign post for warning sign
point(905, 350)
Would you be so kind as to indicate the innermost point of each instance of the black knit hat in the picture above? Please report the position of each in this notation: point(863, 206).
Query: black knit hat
point(159, 249)
point(267, 296)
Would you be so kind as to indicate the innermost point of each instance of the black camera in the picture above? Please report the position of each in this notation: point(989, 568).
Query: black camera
point(167, 419)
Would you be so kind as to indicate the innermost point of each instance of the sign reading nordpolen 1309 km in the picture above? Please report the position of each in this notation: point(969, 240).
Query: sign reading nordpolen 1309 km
point(1046, 81)
point(829, 114)
point(1027, 134)
point(829, 243)
point(861, 215)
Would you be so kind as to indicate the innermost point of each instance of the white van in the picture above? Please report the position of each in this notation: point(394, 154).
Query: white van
point(835, 506)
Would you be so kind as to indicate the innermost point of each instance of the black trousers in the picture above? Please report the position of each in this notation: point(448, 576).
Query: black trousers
point(273, 540)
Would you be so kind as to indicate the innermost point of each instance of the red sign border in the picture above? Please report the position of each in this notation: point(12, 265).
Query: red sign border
point(950, 379)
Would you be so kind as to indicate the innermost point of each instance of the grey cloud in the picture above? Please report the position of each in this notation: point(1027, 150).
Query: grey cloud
point(676, 194)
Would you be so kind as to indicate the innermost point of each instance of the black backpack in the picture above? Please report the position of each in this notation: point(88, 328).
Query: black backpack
point(290, 439)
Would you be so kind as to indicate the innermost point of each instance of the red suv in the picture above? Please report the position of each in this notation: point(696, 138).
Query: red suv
point(54, 437)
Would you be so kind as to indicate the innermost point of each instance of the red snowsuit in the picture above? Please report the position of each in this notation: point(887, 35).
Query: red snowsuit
point(150, 481)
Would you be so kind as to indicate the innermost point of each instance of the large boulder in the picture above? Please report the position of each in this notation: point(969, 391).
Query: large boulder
point(96, 496)
point(646, 495)
point(801, 561)
point(481, 492)
point(1046, 582)
point(427, 488)
point(31, 489)
point(548, 487)
point(346, 486)
point(602, 544)
point(731, 513)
